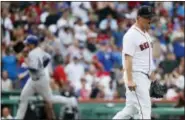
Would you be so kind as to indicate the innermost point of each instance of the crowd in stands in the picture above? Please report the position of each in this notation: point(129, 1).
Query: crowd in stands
point(85, 42)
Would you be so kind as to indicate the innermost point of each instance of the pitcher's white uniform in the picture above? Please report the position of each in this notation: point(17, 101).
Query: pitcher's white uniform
point(38, 83)
point(138, 44)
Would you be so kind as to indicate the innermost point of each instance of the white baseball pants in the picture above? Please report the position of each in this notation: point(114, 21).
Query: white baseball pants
point(41, 87)
point(138, 103)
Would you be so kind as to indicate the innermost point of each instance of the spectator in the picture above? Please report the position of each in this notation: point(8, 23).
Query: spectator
point(65, 20)
point(59, 75)
point(73, 49)
point(9, 64)
point(90, 75)
point(118, 77)
point(101, 93)
point(51, 43)
point(6, 82)
point(97, 91)
point(80, 10)
point(106, 89)
point(86, 54)
point(105, 8)
point(45, 13)
point(179, 48)
point(118, 35)
point(57, 59)
point(66, 36)
point(178, 79)
point(117, 56)
point(53, 17)
point(92, 19)
point(92, 37)
point(91, 43)
point(75, 71)
point(6, 114)
point(181, 99)
point(85, 90)
point(105, 56)
point(7, 25)
point(109, 23)
point(157, 52)
point(19, 34)
point(169, 64)
point(80, 30)
point(97, 64)
point(172, 94)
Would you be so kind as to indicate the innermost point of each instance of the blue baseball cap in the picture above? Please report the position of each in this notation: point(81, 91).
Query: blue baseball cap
point(31, 39)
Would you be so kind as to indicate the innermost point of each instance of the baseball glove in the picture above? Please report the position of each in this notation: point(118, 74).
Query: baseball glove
point(157, 90)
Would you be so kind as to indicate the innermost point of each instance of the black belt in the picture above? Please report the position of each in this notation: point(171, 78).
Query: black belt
point(35, 79)
point(143, 73)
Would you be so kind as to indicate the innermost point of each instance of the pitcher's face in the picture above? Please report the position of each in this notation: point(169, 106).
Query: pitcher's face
point(146, 23)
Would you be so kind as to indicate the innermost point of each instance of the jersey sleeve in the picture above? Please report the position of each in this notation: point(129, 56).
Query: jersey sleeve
point(47, 55)
point(33, 62)
point(46, 59)
point(129, 45)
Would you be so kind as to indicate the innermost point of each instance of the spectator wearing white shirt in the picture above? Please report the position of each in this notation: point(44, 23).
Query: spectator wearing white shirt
point(6, 82)
point(52, 43)
point(86, 54)
point(80, 30)
point(65, 20)
point(179, 76)
point(171, 93)
point(81, 9)
point(44, 14)
point(6, 22)
point(6, 114)
point(75, 71)
point(108, 23)
point(66, 36)
point(73, 49)
point(90, 75)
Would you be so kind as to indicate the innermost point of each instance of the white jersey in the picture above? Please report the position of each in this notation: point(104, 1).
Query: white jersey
point(35, 61)
point(139, 45)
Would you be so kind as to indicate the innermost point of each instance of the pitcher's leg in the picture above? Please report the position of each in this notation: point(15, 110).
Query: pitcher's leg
point(144, 103)
point(126, 113)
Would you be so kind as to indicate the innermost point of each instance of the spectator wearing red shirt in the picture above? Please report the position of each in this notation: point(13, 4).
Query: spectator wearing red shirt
point(59, 75)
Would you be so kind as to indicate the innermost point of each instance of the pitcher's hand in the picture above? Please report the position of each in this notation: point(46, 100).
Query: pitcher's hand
point(131, 85)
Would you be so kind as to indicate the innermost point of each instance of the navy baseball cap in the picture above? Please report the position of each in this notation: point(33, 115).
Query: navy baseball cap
point(31, 39)
point(146, 11)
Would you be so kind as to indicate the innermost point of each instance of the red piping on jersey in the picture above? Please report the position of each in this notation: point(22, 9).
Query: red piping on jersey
point(149, 45)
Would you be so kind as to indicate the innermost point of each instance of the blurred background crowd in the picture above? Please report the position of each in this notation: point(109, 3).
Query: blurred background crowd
point(85, 42)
